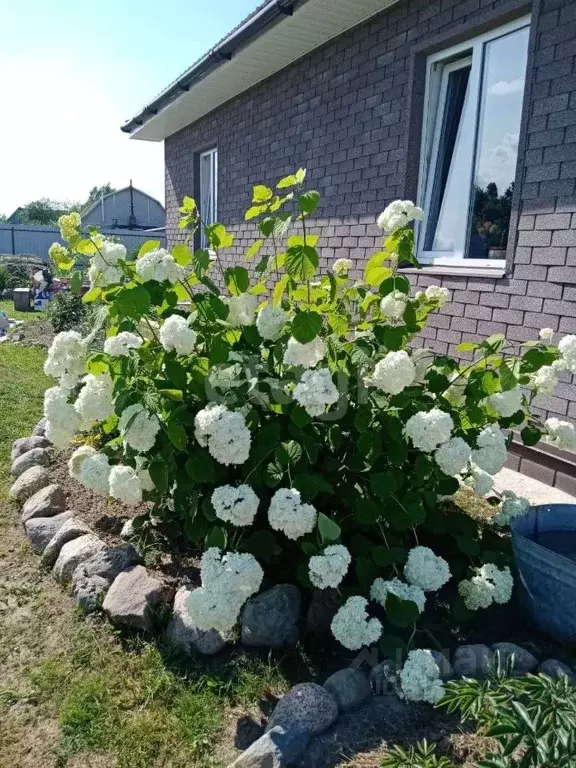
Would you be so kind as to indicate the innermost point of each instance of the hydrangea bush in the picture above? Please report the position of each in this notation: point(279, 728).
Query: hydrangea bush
point(287, 426)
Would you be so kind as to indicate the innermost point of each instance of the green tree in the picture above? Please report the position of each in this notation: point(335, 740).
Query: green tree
point(43, 212)
point(97, 192)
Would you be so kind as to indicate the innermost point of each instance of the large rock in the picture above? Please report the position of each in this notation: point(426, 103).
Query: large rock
point(40, 530)
point(40, 428)
point(308, 708)
point(109, 563)
point(46, 502)
point(446, 670)
point(89, 592)
point(72, 529)
point(556, 668)
point(349, 687)
point(73, 553)
point(133, 596)
point(275, 749)
point(185, 635)
point(37, 457)
point(524, 661)
point(270, 618)
point(25, 444)
point(324, 605)
point(29, 483)
point(472, 661)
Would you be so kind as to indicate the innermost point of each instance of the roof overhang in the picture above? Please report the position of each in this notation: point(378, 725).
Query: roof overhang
point(276, 35)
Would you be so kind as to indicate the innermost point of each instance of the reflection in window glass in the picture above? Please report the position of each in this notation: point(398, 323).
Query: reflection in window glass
point(497, 144)
point(208, 190)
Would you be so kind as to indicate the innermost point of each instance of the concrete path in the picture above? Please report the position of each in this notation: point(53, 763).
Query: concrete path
point(533, 490)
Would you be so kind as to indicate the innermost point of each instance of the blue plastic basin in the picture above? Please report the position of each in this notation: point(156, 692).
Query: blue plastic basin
point(544, 543)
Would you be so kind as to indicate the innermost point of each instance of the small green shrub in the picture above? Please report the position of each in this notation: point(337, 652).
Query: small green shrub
point(66, 311)
point(17, 276)
point(4, 277)
point(420, 756)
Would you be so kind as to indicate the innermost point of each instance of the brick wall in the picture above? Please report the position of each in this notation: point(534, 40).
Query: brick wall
point(350, 113)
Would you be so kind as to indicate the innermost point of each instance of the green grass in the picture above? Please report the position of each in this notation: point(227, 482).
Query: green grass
point(28, 317)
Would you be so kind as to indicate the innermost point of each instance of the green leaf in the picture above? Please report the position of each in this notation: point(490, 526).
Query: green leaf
point(374, 271)
point(261, 194)
point(177, 435)
point(218, 236)
point(261, 544)
point(468, 545)
point(201, 260)
point(366, 571)
point(308, 201)
point(218, 351)
point(182, 255)
point(301, 262)
point(531, 435)
point(467, 346)
point(329, 530)
point(146, 247)
point(76, 282)
point(306, 326)
point(294, 240)
point(176, 373)
point(383, 484)
point(311, 485)
point(491, 383)
point(279, 289)
point(201, 467)
point(395, 283)
point(93, 295)
point(216, 538)
point(188, 205)
point(367, 511)
point(237, 280)
point(399, 612)
point(288, 453)
point(133, 301)
point(292, 180)
point(369, 446)
point(159, 474)
point(392, 646)
point(253, 250)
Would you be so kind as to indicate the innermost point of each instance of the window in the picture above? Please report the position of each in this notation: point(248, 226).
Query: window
point(473, 105)
point(208, 190)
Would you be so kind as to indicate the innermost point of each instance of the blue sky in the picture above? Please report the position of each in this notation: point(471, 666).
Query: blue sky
point(73, 71)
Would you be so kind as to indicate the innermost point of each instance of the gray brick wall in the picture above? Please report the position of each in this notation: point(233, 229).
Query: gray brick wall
point(348, 113)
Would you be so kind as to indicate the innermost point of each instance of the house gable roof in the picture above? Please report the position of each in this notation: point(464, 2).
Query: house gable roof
point(95, 203)
point(276, 34)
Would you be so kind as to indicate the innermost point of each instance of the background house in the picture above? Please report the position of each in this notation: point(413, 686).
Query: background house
point(466, 106)
point(127, 208)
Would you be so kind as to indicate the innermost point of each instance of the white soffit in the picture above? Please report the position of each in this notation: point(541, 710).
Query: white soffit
point(312, 25)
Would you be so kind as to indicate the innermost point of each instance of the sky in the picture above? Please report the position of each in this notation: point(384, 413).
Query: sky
point(73, 71)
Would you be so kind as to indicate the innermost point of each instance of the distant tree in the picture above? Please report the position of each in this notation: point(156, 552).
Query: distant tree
point(97, 192)
point(43, 212)
point(3, 218)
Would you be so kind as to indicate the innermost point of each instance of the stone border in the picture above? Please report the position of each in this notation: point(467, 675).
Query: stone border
point(114, 579)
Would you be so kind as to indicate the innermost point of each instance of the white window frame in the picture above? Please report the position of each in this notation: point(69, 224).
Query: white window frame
point(438, 65)
point(213, 155)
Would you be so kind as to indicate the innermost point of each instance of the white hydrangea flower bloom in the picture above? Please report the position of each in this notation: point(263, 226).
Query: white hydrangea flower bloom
point(66, 358)
point(567, 347)
point(394, 373)
point(138, 428)
point(380, 589)
point(227, 582)
point(399, 214)
point(507, 403)
point(426, 570)
point(456, 392)
point(423, 359)
point(235, 505)
point(177, 335)
point(121, 344)
point(352, 627)
point(77, 459)
point(429, 429)
point(329, 568)
point(95, 401)
point(288, 514)
point(306, 355)
point(546, 334)
point(479, 480)
point(315, 391)
point(393, 305)
point(95, 474)
point(242, 309)
point(438, 293)
point(224, 433)
point(159, 265)
point(491, 453)
point(270, 322)
point(62, 419)
point(341, 267)
point(125, 485)
point(146, 482)
point(104, 269)
point(69, 225)
point(453, 456)
point(512, 506)
point(562, 434)
point(489, 584)
point(420, 678)
point(545, 380)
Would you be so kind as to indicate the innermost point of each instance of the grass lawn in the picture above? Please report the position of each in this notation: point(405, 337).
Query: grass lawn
point(28, 317)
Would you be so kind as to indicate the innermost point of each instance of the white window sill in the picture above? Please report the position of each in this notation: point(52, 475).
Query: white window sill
point(457, 270)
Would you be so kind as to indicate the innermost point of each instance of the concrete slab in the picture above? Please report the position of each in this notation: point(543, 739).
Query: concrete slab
point(533, 490)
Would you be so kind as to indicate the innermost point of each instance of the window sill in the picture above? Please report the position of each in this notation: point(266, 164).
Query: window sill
point(456, 271)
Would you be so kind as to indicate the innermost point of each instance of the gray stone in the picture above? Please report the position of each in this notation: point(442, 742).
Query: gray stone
point(29, 483)
point(89, 592)
point(72, 529)
point(270, 618)
point(349, 687)
point(109, 562)
point(556, 668)
point(275, 749)
point(40, 530)
point(47, 502)
point(524, 661)
point(185, 635)
point(25, 444)
point(446, 670)
point(324, 605)
point(472, 661)
point(40, 428)
point(133, 596)
point(127, 529)
point(308, 708)
point(382, 677)
point(22, 298)
point(73, 553)
point(37, 457)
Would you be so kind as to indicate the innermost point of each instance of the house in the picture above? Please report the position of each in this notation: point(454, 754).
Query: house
point(127, 208)
point(466, 106)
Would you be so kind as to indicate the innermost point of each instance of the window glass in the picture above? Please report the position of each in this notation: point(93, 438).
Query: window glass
point(208, 189)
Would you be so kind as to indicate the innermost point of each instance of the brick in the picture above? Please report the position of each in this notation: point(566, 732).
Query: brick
point(544, 290)
point(478, 313)
point(566, 308)
point(553, 220)
point(530, 272)
point(567, 325)
point(511, 316)
point(534, 237)
point(566, 237)
point(537, 471)
point(549, 256)
point(543, 172)
point(529, 303)
point(552, 104)
point(501, 300)
point(566, 483)
point(540, 320)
